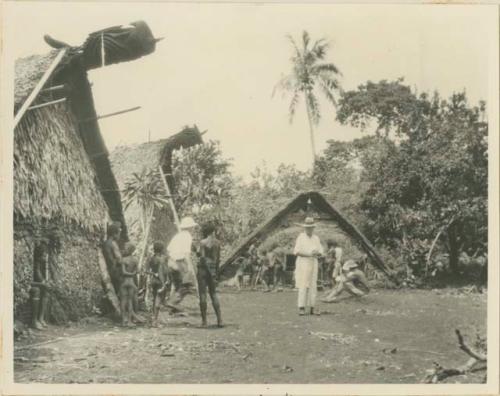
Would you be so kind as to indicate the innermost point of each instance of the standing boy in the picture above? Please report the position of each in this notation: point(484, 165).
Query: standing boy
point(40, 287)
point(157, 268)
point(128, 288)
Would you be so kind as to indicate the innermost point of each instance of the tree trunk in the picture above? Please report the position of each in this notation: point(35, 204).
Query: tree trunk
point(454, 250)
point(311, 132)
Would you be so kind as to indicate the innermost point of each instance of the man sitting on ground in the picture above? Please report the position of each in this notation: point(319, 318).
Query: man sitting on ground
point(352, 280)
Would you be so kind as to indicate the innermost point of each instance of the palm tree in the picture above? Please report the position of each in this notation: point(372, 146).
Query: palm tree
point(146, 190)
point(310, 74)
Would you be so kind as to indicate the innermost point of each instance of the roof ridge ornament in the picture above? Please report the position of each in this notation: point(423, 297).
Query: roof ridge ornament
point(116, 44)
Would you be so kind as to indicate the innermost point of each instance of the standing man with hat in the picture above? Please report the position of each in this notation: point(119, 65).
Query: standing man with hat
point(179, 255)
point(308, 249)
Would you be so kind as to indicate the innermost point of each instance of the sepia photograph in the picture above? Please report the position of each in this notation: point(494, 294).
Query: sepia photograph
point(266, 193)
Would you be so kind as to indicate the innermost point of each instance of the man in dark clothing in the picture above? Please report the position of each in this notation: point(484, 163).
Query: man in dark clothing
point(208, 267)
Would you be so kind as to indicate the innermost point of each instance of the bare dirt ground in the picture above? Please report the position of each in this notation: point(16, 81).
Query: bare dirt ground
point(385, 337)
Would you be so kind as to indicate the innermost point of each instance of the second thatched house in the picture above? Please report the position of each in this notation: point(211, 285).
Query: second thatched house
point(129, 160)
point(65, 192)
point(282, 229)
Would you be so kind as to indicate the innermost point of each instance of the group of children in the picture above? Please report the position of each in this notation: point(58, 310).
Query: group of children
point(266, 266)
point(166, 269)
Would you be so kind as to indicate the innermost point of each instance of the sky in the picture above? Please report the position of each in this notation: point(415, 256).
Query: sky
point(219, 63)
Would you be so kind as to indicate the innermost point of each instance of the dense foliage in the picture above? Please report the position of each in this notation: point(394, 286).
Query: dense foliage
point(416, 186)
point(429, 186)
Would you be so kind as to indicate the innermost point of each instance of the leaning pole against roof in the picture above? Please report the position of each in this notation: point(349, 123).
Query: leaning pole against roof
point(76, 190)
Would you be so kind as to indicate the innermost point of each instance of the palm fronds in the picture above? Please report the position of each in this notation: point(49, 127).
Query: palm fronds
point(309, 74)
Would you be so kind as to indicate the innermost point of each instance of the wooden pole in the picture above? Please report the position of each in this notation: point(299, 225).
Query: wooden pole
point(170, 199)
point(47, 104)
point(38, 87)
point(51, 89)
point(110, 114)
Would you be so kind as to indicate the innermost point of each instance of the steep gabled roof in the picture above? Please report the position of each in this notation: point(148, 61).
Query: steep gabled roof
point(127, 160)
point(296, 204)
point(59, 79)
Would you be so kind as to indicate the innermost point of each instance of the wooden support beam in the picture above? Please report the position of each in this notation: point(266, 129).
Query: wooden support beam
point(38, 87)
point(52, 89)
point(170, 200)
point(110, 114)
point(47, 104)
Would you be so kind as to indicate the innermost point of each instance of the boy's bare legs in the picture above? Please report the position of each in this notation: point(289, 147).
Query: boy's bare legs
point(123, 305)
point(44, 302)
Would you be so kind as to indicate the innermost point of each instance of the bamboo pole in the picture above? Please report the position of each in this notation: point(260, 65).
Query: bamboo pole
point(38, 87)
point(47, 104)
point(51, 89)
point(170, 200)
point(110, 114)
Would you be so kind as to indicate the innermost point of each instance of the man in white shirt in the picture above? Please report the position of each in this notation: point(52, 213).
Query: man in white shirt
point(308, 249)
point(179, 255)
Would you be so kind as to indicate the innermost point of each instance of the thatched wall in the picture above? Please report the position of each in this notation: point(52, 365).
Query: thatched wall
point(55, 188)
point(53, 178)
point(73, 269)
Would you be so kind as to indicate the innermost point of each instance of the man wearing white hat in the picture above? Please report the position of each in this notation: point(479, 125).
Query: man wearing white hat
point(352, 280)
point(179, 254)
point(308, 249)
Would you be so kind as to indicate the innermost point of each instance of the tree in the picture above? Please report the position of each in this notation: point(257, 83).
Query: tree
point(201, 177)
point(146, 190)
point(432, 182)
point(309, 74)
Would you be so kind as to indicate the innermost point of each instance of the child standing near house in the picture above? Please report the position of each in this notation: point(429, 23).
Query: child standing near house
point(157, 268)
point(128, 288)
point(40, 286)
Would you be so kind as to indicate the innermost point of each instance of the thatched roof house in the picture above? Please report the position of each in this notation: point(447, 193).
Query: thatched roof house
point(64, 188)
point(127, 160)
point(282, 228)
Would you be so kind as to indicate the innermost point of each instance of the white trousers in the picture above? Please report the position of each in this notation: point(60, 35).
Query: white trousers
point(307, 297)
point(306, 279)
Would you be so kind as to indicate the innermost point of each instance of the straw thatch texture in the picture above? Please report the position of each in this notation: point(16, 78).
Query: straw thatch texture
point(53, 177)
point(127, 160)
point(28, 71)
point(73, 270)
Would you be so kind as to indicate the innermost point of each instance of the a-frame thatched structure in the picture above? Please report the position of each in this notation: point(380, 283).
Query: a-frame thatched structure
point(304, 202)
